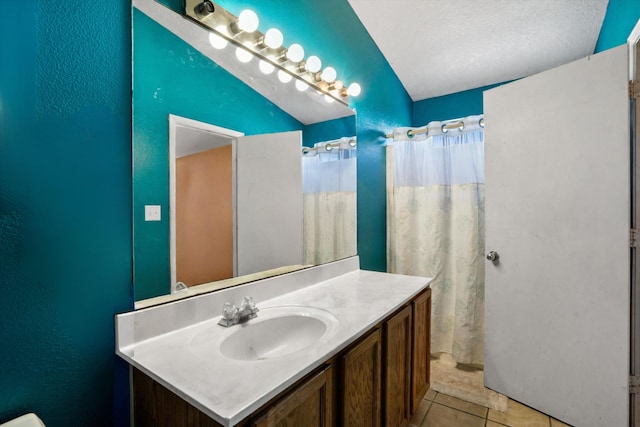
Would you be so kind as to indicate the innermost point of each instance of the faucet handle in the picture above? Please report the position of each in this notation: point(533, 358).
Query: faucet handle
point(229, 311)
point(248, 304)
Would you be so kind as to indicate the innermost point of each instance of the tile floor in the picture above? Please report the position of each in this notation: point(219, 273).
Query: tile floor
point(441, 410)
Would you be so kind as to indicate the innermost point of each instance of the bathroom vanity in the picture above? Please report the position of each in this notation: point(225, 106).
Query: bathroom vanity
point(331, 345)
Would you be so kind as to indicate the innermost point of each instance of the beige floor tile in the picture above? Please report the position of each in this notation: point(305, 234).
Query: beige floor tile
point(494, 424)
point(455, 403)
point(443, 416)
point(557, 423)
point(431, 394)
point(519, 415)
point(419, 414)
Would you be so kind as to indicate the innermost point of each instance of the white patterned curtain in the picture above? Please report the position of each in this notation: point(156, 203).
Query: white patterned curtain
point(435, 219)
point(329, 197)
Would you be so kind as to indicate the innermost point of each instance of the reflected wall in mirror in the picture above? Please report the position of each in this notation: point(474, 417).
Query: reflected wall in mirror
point(235, 202)
point(171, 77)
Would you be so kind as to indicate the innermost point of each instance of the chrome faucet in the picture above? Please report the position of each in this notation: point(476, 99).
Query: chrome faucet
point(232, 315)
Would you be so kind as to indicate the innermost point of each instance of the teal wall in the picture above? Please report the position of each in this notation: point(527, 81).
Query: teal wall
point(329, 130)
point(453, 106)
point(619, 21)
point(171, 77)
point(65, 209)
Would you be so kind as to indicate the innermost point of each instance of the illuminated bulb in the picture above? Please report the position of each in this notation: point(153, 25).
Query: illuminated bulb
point(329, 74)
point(243, 55)
point(328, 99)
point(217, 42)
point(284, 77)
point(301, 85)
point(354, 89)
point(248, 21)
point(265, 67)
point(313, 64)
point(337, 86)
point(273, 38)
point(295, 53)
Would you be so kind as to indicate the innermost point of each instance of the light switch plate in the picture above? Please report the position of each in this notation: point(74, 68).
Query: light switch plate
point(152, 212)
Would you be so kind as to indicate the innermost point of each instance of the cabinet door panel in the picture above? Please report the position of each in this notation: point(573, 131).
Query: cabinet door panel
point(310, 404)
point(397, 368)
point(361, 383)
point(420, 377)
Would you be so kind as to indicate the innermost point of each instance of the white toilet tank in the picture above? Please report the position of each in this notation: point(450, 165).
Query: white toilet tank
point(28, 420)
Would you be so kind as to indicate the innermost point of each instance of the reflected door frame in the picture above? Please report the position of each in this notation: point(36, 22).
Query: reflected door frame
point(226, 137)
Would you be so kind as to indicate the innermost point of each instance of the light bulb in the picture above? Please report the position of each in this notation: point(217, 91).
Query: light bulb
point(265, 67)
point(301, 85)
point(328, 99)
point(248, 21)
point(354, 89)
point(295, 53)
point(284, 77)
point(337, 86)
point(217, 42)
point(313, 64)
point(243, 55)
point(273, 38)
point(329, 74)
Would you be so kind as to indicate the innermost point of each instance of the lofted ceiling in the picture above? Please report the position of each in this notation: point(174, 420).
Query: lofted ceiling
point(438, 47)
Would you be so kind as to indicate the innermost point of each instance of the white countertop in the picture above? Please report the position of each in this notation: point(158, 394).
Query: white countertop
point(229, 390)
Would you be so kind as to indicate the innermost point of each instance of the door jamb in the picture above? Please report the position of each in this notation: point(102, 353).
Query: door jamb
point(634, 75)
point(174, 123)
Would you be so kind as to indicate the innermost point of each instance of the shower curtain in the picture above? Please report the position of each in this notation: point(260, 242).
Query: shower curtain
point(435, 223)
point(329, 198)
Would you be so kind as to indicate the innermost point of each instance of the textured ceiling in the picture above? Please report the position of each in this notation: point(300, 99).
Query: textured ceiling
point(438, 47)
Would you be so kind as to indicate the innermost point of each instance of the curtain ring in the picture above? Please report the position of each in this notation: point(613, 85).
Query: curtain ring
point(444, 129)
point(409, 134)
point(481, 122)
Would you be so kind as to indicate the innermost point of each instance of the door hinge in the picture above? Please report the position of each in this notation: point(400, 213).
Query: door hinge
point(634, 89)
point(634, 385)
point(634, 238)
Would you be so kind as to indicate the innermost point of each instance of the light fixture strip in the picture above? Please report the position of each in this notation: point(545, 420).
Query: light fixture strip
point(247, 41)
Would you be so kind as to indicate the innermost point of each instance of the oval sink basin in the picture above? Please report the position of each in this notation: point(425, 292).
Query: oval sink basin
point(276, 332)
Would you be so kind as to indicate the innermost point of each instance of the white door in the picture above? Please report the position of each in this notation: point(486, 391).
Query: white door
point(557, 214)
point(268, 202)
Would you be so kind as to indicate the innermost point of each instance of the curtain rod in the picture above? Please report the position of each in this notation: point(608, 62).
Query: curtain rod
point(329, 146)
point(454, 125)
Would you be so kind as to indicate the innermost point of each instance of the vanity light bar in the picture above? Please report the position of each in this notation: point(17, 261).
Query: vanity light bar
point(249, 42)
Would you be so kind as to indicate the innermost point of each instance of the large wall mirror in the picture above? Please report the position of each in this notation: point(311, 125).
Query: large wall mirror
point(229, 187)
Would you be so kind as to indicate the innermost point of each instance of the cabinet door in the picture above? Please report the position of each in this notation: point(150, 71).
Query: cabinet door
point(397, 368)
point(360, 382)
point(308, 405)
point(155, 405)
point(421, 337)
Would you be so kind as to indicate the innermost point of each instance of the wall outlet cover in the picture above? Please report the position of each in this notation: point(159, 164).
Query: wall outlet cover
point(152, 213)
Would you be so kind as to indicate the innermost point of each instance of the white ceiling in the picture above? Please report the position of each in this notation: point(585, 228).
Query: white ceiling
point(438, 47)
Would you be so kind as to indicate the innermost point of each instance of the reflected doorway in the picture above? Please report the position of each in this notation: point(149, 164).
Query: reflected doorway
point(202, 201)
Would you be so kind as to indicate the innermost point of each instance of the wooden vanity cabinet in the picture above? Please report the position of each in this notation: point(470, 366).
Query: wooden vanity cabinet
point(359, 394)
point(310, 404)
point(377, 381)
point(397, 368)
point(421, 348)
